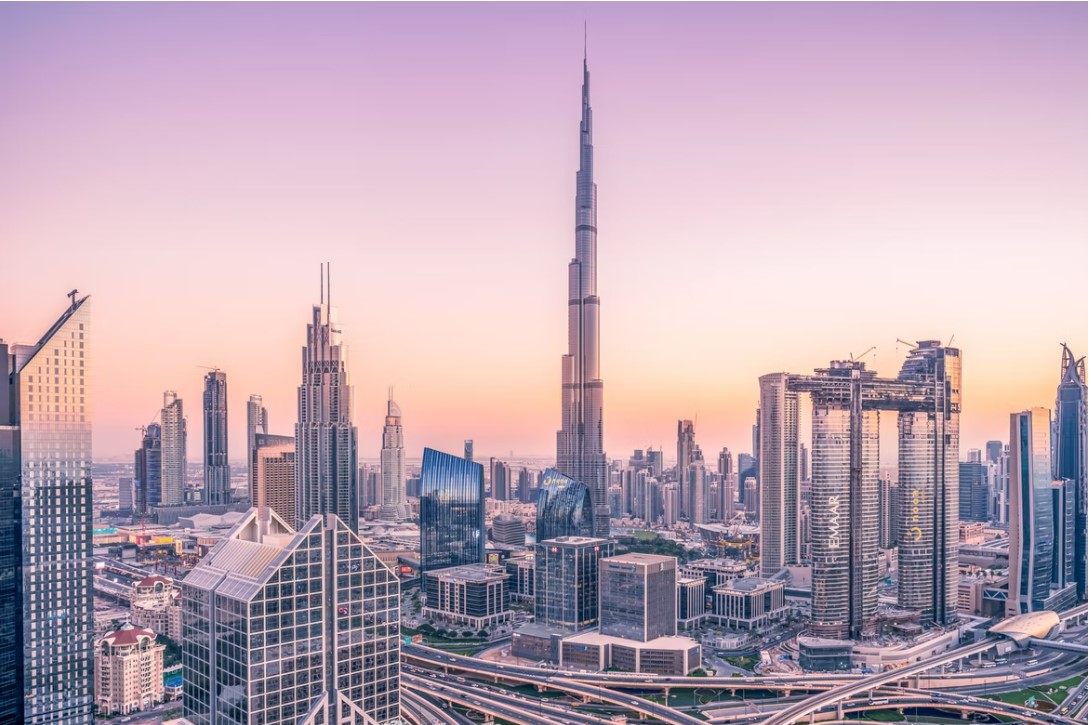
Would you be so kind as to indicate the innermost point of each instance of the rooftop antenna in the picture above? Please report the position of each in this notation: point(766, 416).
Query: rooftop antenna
point(321, 285)
point(585, 42)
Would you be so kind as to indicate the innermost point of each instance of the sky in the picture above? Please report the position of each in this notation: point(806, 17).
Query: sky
point(779, 185)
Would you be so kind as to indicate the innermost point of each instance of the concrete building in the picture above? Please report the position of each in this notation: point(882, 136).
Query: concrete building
point(156, 604)
point(257, 421)
point(778, 473)
point(748, 604)
point(173, 422)
point(509, 530)
point(393, 505)
point(474, 596)
point(671, 655)
point(128, 671)
point(686, 446)
point(691, 601)
point(637, 596)
point(273, 466)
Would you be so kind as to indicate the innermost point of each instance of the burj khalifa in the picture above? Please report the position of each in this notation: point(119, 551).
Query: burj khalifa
point(579, 441)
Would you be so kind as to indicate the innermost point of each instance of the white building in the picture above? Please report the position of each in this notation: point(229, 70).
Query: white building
point(128, 671)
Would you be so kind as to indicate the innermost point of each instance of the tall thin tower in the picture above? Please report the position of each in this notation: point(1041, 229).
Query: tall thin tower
point(217, 470)
point(257, 421)
point(325, 438)
point(392, 461)
point(580, 442)
point(1070, 456)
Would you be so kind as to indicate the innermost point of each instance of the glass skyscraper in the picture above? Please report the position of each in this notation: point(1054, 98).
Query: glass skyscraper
point(46, 613)
point(257, 421)
point(452, 511)
point(325, 438)
point(778, 473)
point(564, 507)
point(1071, 452)
point(284, 627)
point(637, 596)
point(1064, 534)
point(217, 470)
point(148, 470)
point(566, 581)
point(1030, 552)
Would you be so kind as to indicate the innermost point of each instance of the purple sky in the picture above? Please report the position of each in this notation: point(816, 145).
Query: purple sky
point(779, 185)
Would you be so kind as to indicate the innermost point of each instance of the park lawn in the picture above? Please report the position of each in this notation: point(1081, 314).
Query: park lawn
point(1021, 696)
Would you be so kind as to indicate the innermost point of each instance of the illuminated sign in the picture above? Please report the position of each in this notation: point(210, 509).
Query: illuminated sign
point(917, 502)
point(835, 523)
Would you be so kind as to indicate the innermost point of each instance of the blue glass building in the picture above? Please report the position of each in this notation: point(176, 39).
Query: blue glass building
point(1031, 549)
point(148, 470)
point(452, 511)
point(1070, 459)
point(564, 507)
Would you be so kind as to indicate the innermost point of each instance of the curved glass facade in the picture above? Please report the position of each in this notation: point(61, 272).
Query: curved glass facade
point(564, 507)
point(452, 511)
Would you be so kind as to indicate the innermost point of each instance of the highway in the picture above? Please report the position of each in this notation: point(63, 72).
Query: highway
point(424, 711)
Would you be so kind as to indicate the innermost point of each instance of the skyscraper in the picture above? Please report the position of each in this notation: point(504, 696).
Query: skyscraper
point(973, 492)
point(1030, 552)
point(325, 438)
point(148, 470)
point(290, 626)
point(452, 511)
point(1071, 455)
point(392, 462)
point(217, 470)
point(1064, 534)
point(580, 441)
point(174, 450)
point(273, 484)
point(500, 479)
point(637, 596)
point(468, 449)
point(695, 480)
point(566, 581)
point(46, 613)
point(564, 507)
point(728, 488)
point(888, 513)
point(778, 473)
point(748, 468)
point(993, 450)
point(928, 482)
point(257, 421)
point(686, 443)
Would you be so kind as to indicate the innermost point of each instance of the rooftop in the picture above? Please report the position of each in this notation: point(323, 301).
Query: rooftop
point(471, 573)
point(641, 559)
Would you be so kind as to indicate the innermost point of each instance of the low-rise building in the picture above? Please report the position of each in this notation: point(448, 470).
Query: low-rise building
point(521, 583)
point(751, 603)
point(128, 671)
point(473, 594)
point(671, 655)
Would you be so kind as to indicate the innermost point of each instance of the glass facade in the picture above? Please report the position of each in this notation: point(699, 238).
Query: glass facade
point(217, 470)
point(564, 507)
point(566, 581)
point(148, 470)
point(452, 511)
point(1030, 569)
point(50, 435)
point(1071, 453)
point(638, 597)
point(279, 625)
point(778, 473)
point(174, 450)
point(1064, 533)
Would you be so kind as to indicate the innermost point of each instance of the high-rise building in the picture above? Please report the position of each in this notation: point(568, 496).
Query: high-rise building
point(888, 513)
point(804, 463)
point(748, 468)
point(524, 486)
point(46, 613)
point(778, 473)
point(637, 596)
point(928, 443)
point(468, 449)
point(1064, 534)
point(973, 491)
point(1071, 454)
point(564, 507)
point(273, 463)
point(655, 462)
point(686, 444)
point(392, 462)
point(728, 488)
point(500, 479)
point(174, 450)
point(695, 480)
point(993, 450)
point(566, 581)
point(325, 438)
point(844, 503)
point(580, 451)
point(509, 530)
point(290, 626)
point(217, 469)
point(974, 456)
point(257, 421)
point(452, 511)
point(125, 495)
point(1030, 552)
point(148, 469)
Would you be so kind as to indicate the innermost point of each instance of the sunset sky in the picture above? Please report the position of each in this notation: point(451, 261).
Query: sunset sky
point(779, 185)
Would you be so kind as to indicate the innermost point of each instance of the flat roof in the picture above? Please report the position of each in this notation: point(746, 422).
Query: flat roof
point(670, 642)
point(636, 558)
point(470, 573)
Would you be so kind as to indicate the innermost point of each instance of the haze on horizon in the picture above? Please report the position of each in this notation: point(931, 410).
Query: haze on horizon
point(780, 185)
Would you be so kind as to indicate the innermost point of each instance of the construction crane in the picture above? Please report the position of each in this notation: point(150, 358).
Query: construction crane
point(208, 367)
point(856, 358)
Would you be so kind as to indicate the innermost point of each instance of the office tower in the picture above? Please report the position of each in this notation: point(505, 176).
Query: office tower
point(748, 468)
point(655, 462)
point(804, 463)
point(973, 492)
point(755, 436)
point(974, 456)
point(46, 614)
point(564, 507)
point(751, 497)
point(844, 502)
point(174, 450)
point(524, 485)
point(993, 449)
point(1030, 552)
point(728, 488)
point(928, 481)
point(1064, 534)
point(778, 473)
point(452, 511)
point(273, 484)
point(148, 469)
point(1002, 487)
point(325, 438)
point(468, 449)
point(637, 596)
point(290, 626)
point(686, 443)
point(500, 478)
point(671, 504)
point(1071, 455)
point(888, 513)
point(125, 495)
point(509, 530)
point(392, 462)
point(566, 581)
point(695, 480)
point(257, 421)
point(217, 470)
point(580, 442)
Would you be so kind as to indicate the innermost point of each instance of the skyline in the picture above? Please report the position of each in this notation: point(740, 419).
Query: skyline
point(1029, 108)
